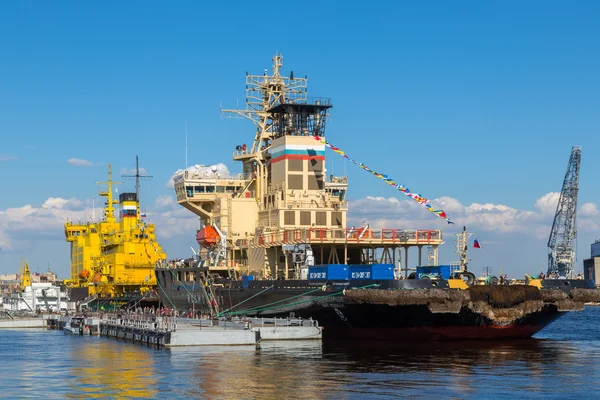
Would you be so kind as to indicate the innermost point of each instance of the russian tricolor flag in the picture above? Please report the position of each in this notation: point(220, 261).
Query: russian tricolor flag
point(143, 215)
point(476, 244)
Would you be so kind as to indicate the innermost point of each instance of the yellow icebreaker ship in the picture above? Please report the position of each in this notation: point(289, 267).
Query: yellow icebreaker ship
point(114, 257)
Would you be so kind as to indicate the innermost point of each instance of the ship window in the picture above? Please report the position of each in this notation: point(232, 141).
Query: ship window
point(295, 182)
point(210, 189)
point(315, 165)
point(296, 165)
point(189, 191)
point(220, 189)
point(335, 192)
point(230, 189)
point(289, 218)
point(199, 189)
point(315, 182)
point(321, 218)
point(336, 219)
point(342, 195)
point(305, 218)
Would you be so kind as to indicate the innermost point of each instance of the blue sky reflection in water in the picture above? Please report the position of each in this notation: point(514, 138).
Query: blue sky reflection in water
point(563, 362)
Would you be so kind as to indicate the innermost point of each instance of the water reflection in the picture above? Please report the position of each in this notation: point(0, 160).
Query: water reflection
point(465, 368)
point(272, 372)
point(100, 368)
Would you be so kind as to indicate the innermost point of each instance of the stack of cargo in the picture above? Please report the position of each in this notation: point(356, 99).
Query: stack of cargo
point(352, 272)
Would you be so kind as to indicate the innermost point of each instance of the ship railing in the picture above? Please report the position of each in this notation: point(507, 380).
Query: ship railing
point(283, 322)
point(349, 235)
point(325, 101)
point(313, 203)
point(211, 178)
point(337, 179)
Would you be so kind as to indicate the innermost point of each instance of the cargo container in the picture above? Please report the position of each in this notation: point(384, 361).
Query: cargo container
point(361, 271)
point(441, 271)
point(382, 271)
point(328, 272)
point(246, 279)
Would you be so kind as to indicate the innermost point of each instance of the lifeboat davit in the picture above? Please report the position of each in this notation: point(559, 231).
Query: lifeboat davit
point(208, 236)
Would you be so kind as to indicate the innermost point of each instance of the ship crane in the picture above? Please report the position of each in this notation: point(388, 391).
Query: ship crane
point(561, 250)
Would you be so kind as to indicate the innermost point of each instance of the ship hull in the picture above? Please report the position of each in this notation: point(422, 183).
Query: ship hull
point(392, 311)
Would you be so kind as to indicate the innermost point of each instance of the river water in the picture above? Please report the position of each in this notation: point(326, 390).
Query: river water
point(563, 361)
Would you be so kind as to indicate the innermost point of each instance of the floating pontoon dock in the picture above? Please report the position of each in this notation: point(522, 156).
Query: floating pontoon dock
point(171, 331)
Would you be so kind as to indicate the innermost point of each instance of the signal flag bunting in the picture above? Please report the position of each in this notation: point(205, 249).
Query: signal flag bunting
point(416, 197)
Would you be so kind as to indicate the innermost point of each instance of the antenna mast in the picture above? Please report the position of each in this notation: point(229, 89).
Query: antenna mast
point(137, 177)
point(561, 250)
point(109, 210)
point(461, 248)
point(186, 146)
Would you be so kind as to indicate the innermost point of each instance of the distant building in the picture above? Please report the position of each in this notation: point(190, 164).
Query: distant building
point(591, 266)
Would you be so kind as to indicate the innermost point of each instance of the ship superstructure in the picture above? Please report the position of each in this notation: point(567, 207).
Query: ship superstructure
point(284, 207)
point(116, 255)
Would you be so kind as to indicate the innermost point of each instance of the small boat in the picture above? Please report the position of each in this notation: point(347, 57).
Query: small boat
point(76, 326)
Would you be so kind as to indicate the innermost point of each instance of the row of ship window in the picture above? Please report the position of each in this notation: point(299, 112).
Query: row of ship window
point(191, 190)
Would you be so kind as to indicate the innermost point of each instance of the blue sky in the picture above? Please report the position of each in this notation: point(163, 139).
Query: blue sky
point(472, 101)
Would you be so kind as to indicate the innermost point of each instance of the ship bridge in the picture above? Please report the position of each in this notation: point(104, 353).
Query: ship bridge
point(219, 200)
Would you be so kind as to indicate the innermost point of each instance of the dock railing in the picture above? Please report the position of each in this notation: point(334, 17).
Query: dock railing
point(163, 323)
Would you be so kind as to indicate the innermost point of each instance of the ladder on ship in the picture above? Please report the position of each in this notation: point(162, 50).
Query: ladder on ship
point(209, 294)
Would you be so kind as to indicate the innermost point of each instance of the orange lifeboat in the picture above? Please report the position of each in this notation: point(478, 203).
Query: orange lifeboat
point(208, 236)
point(96, 278)
point(84, 274)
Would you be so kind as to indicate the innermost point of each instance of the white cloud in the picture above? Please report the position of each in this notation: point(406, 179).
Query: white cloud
point(21, 227)
point(7, 157)
point(451, 205)
point(547, 203)
point(79, 162)
point(201, 171)
point(391, 212)
point(164, 201)
point(588, 210)
point(132, 171)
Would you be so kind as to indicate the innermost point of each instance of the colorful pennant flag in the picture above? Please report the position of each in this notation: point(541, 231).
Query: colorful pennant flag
point(416, 197)
point(476, 244)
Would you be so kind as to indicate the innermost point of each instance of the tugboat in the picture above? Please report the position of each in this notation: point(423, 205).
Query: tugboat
point(274, 242)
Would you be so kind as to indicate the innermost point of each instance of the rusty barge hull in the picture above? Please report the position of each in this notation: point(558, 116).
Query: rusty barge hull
point(394, 310)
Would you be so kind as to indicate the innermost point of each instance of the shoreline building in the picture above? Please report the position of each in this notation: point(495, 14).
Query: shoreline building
point(591, 266)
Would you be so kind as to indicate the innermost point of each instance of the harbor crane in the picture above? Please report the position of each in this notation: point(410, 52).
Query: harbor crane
point(561, 248)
